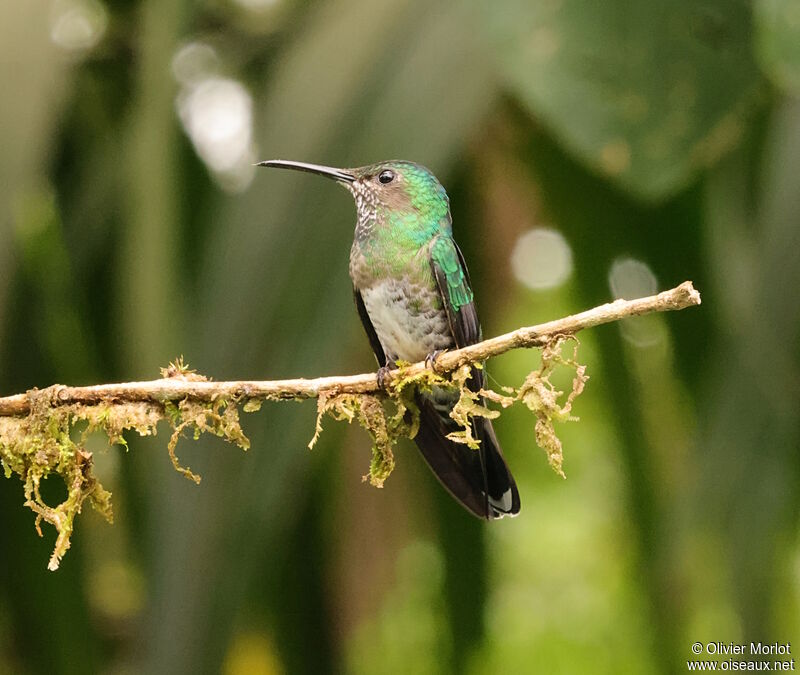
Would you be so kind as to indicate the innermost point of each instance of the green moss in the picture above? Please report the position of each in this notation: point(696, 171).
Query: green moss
point(385, 430)
point(220, 418)
point(397, 415)
point(51, 438)
point(542, 398)
point(41, 444)
point(468, 406)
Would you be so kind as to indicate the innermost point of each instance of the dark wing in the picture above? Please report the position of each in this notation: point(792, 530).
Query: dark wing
point(480, 480)
point(369, 328)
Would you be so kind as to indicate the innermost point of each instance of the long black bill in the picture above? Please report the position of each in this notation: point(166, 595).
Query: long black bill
point(329, 171)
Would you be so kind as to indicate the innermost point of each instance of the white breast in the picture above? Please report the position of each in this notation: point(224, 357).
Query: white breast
point(404, 316)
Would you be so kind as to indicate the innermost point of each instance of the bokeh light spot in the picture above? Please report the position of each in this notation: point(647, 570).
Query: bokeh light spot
point(257, 5)
point(252, 653)
point(630, 279)
point(117, 591)
point(542, 259)
point(77, 25)
point(217, 114)
point(194, 62)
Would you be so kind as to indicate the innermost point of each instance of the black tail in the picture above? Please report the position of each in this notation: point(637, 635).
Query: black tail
point(479, 479)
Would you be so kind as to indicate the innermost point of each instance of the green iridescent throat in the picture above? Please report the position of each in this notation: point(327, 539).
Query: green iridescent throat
point(393, 247)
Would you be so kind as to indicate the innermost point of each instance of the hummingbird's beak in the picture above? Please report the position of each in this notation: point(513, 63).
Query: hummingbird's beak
point(337, 174)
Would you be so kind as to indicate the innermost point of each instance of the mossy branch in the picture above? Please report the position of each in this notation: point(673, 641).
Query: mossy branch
point(37, 428)
point(174, 389)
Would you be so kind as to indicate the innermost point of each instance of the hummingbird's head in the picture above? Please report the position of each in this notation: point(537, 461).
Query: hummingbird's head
point(399, 186)
point(396, 186)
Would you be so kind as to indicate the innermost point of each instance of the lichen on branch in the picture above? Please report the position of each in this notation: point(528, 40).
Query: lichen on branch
point(401, 420)
point(51, 441)
point(43, 432)
point(542, 398)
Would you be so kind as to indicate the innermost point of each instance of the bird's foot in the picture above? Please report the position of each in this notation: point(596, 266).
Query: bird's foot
point(432, 361)
point(383, 373)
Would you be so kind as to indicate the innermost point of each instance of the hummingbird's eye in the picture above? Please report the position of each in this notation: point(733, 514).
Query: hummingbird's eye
point(386, 176)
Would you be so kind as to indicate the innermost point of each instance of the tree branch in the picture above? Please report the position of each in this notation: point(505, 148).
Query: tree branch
point(174, 389)
point(43, 432)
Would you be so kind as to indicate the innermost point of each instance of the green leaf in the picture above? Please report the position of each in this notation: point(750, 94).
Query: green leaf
point(645, 93)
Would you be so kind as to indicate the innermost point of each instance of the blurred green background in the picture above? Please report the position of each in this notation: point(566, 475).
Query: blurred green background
point(591, 150)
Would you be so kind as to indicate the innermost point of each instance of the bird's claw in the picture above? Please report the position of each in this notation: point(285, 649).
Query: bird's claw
point(383, 373)
point(431, 361)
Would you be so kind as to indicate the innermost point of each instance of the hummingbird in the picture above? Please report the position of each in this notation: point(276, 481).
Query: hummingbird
point(413, 294)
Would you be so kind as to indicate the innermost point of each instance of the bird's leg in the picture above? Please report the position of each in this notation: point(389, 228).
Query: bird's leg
point(431, 361)
point(383, 371)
